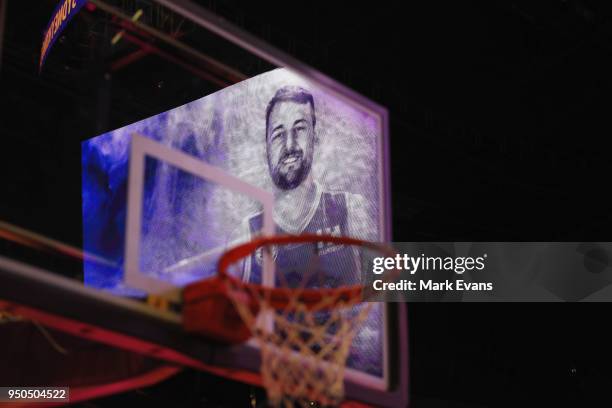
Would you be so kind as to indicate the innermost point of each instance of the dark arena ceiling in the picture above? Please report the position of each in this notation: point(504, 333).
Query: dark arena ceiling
point(500, 130)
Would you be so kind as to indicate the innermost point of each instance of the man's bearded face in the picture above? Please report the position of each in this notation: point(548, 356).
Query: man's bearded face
point(290, 143)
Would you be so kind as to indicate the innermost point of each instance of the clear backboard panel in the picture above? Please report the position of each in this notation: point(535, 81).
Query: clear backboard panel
point(174, 191)
point(315, 147)
point(203, 130)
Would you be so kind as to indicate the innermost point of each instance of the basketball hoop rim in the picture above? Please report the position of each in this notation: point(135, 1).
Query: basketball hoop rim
point(278, 298)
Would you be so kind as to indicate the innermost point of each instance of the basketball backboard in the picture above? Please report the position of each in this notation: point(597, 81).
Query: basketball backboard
point(271, 154)
point(164, 197)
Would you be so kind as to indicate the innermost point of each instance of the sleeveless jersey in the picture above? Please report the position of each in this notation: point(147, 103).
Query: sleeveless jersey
point(339, 262)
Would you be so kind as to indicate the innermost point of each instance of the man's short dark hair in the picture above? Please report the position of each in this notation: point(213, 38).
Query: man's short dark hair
point(294, 94)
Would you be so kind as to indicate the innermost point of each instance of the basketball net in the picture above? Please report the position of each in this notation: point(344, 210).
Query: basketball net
point(304, 334)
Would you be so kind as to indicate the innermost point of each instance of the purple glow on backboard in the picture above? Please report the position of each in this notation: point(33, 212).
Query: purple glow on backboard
point(176, 208)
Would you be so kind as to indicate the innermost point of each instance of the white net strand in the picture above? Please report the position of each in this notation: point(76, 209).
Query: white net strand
point(303, 353)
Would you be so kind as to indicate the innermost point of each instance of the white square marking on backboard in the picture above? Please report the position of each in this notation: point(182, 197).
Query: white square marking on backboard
point(140, 147)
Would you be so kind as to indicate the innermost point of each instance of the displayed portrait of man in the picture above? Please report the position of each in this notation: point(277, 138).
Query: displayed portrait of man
point(302, 205)
point(320, 158)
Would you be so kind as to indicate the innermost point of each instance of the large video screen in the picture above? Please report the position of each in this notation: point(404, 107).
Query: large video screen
point(320, 159)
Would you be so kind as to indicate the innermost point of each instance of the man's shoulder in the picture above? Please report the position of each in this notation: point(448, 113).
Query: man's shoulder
point(253, 221)
point(244, 229)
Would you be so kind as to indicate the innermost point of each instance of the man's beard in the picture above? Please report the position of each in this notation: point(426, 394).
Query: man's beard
point(290, 178)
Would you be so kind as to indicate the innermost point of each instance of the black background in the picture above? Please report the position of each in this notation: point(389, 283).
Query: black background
point(499, 132)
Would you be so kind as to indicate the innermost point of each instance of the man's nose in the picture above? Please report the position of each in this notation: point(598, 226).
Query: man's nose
point(291, 141)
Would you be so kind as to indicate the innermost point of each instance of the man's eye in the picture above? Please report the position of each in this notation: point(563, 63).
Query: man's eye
point(300, 128)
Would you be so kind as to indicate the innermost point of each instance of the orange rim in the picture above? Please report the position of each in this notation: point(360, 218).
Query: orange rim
point(278, 298)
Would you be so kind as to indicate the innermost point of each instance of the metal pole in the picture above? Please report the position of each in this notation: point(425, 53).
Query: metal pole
point(231, 74)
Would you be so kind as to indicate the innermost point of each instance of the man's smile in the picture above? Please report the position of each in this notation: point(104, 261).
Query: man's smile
point(291, 159)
